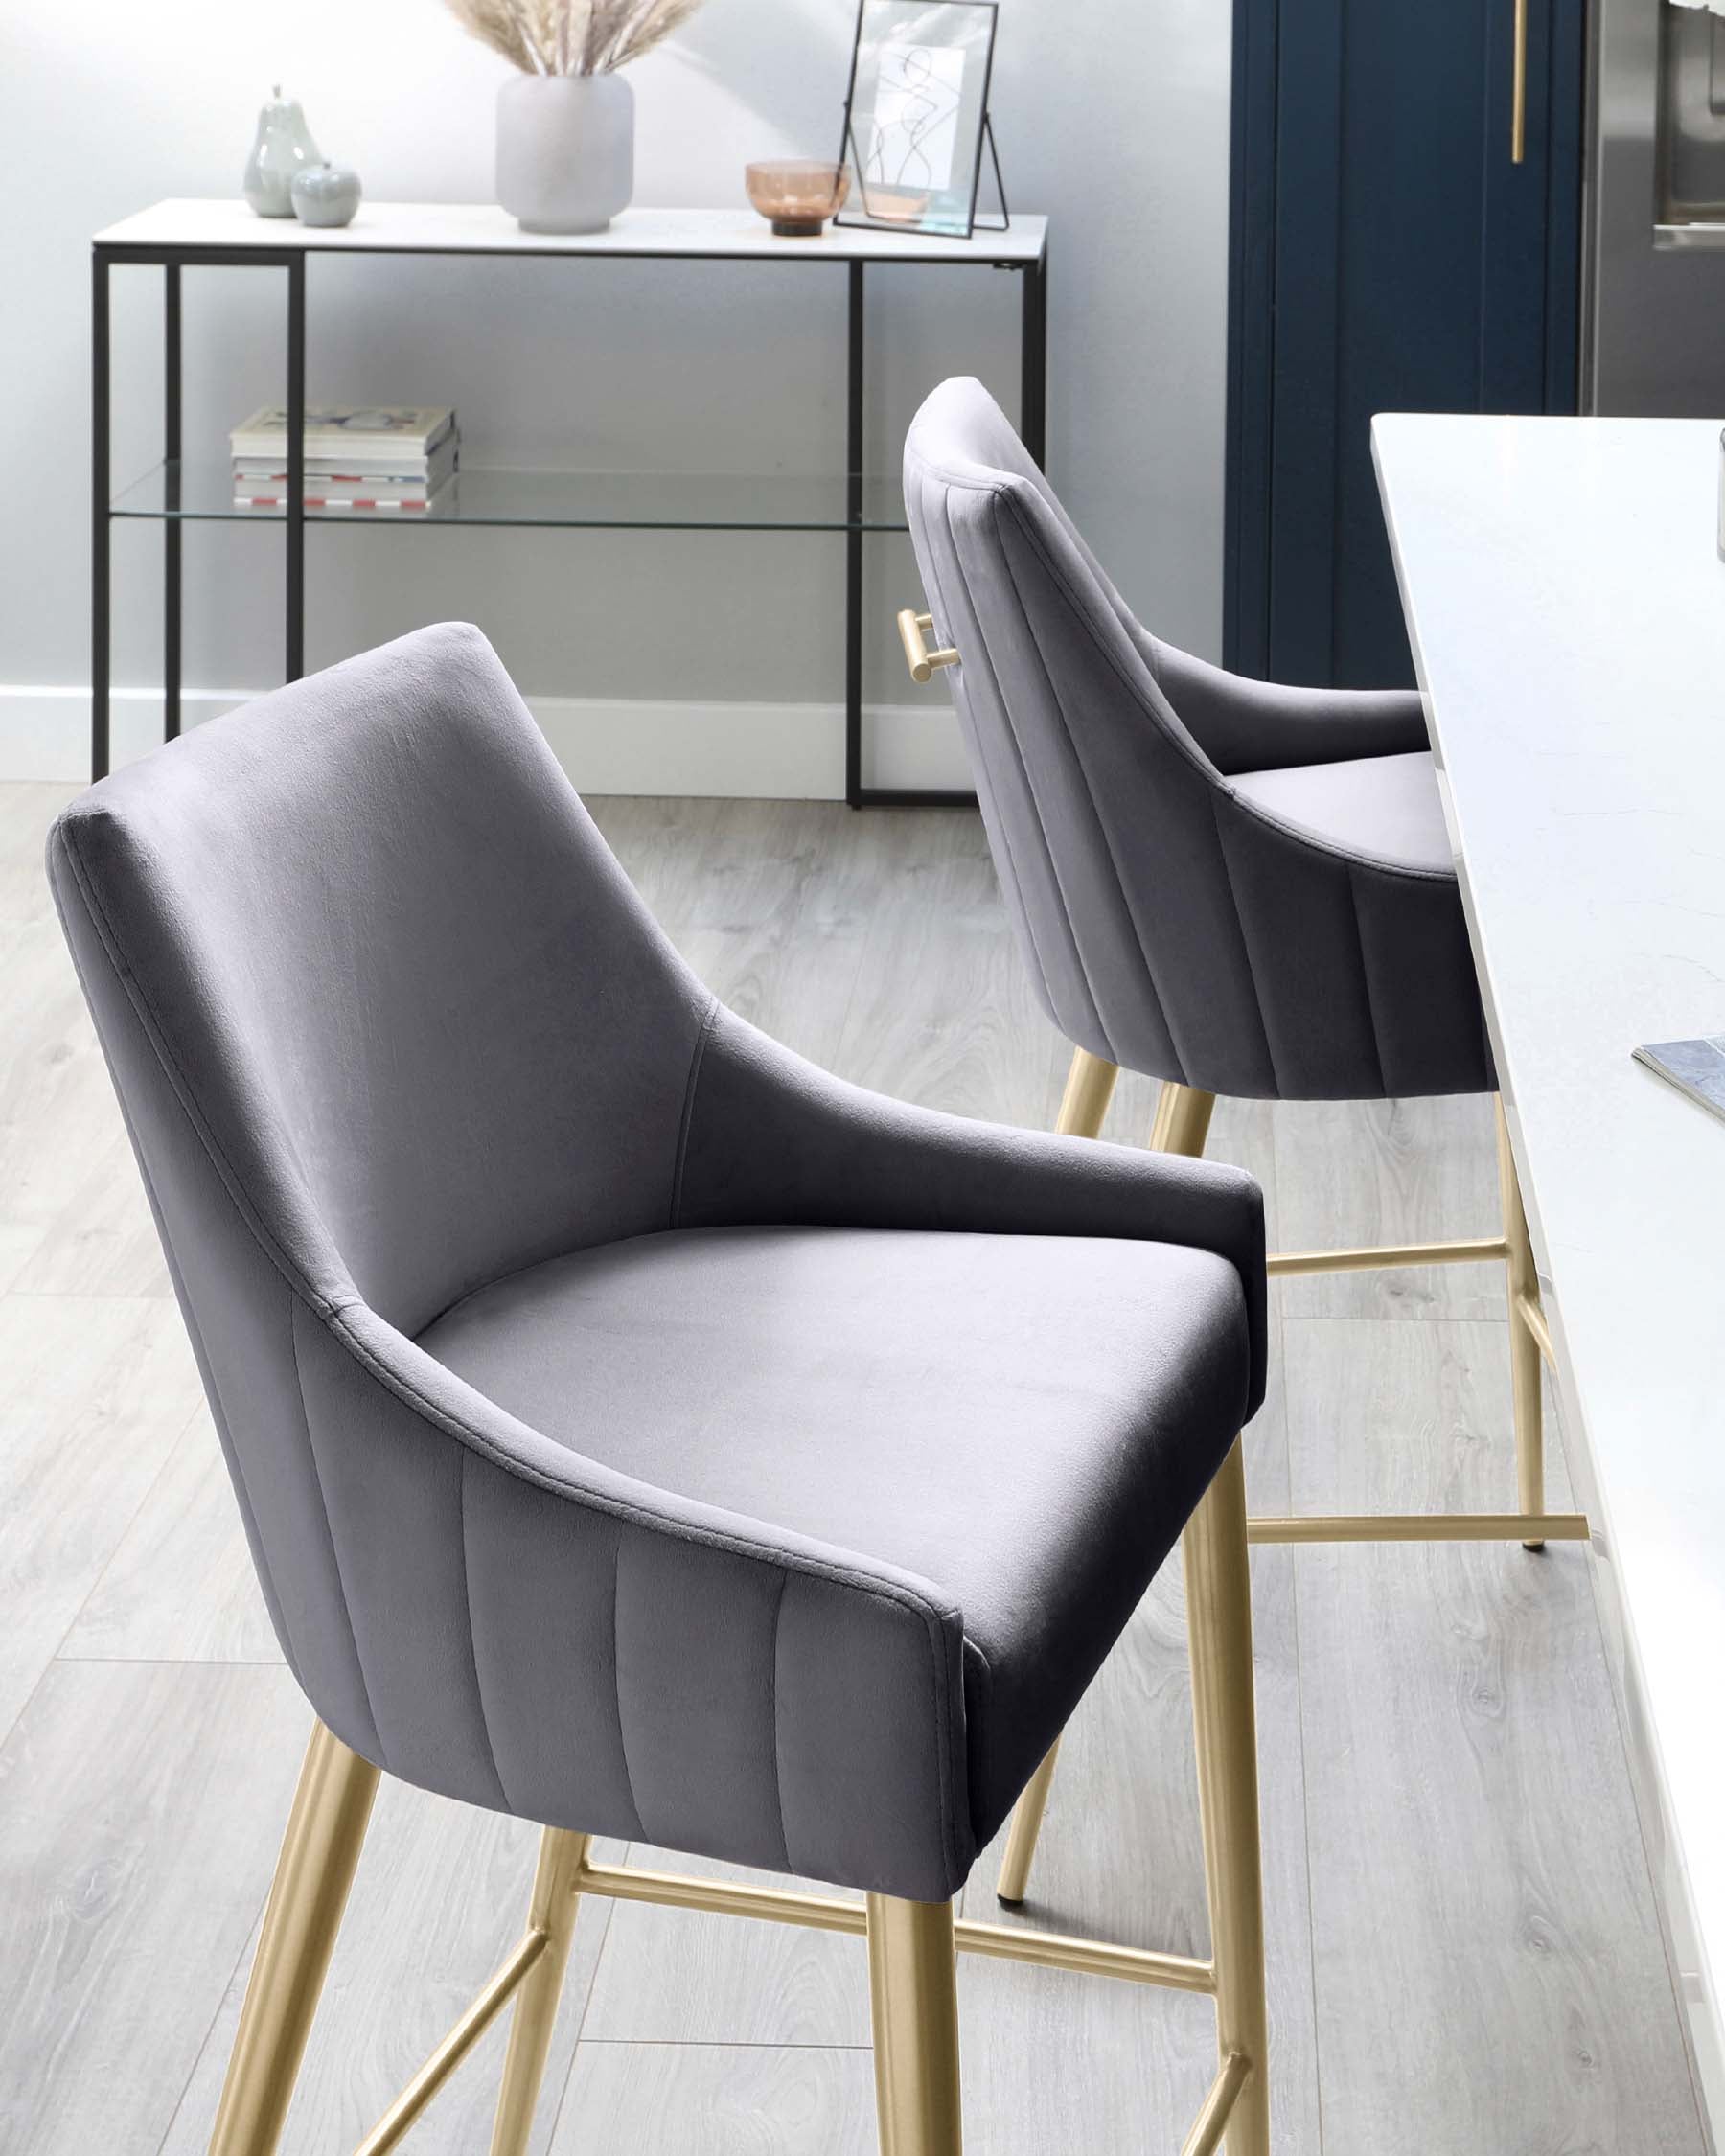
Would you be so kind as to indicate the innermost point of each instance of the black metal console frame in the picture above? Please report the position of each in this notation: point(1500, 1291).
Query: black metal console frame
point(171, 260)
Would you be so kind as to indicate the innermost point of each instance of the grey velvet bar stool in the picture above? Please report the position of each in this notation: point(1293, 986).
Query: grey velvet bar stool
point(1234, 887)
point(637, 1430)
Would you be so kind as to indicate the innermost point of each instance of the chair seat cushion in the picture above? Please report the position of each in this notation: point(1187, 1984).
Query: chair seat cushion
point(1025, 1422)
point(1380, 808)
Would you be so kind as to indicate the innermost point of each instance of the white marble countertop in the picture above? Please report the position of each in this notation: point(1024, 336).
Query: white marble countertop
point(482, 228)
point(1566, 606)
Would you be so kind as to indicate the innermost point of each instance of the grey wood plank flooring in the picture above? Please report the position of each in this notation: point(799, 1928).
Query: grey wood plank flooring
point(180, 1586)
point(1405, 1171)
point(777, 929)
point(103, 1241)
point(722, 2099)
point(55, 1104)
point(943, 1012)
point(96, 1393)
point(1485, 1952)
point(1462, 1947)
point(674, 1976)
point(134, 1859)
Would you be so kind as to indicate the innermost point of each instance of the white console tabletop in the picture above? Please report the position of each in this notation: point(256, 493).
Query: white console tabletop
point(1566, 609)
point(481, 228)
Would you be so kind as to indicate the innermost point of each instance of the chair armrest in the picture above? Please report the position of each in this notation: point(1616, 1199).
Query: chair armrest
point(770, 1137)
point(1245, 725)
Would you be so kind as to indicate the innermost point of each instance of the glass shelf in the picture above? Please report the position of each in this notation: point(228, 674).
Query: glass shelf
point(712, 501)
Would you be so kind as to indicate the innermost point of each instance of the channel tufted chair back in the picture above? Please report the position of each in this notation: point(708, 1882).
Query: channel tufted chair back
point(446, 1060)
point(1169, 921)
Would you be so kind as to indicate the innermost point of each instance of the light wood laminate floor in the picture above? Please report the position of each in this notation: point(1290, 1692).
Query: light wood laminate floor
point(1465, 1958)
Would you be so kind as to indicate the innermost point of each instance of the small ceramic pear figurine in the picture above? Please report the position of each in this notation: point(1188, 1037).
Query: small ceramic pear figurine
point(283, 146)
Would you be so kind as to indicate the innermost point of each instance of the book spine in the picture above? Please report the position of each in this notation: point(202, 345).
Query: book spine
point(257, 449)
point(325, 468)
point(337, 482)
point(334, 501)
point(419, 477)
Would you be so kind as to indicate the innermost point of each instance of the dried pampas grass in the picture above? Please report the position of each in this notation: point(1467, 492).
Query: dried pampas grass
point(571, 36)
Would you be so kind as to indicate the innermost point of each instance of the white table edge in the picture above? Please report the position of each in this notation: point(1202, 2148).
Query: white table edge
point(1704, 2021)
point(187, 223)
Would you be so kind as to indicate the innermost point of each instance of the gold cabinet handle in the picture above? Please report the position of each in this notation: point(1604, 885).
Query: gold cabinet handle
point(1518, 88)
point(913, 629)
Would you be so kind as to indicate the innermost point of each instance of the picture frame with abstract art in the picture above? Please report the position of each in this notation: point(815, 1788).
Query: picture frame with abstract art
point(916, 116)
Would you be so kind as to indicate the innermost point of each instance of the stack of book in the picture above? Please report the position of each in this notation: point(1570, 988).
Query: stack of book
point(375, 456)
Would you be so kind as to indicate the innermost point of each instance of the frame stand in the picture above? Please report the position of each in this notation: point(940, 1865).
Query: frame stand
point(999, 220)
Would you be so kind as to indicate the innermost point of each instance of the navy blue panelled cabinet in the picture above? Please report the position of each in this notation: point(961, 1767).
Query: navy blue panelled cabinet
point(1387, 252)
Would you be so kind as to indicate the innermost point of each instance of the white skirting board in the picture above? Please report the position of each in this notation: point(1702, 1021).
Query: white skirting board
point(765, 752)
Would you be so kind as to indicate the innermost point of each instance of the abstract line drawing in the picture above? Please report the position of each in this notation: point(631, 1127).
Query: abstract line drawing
point(917, 97)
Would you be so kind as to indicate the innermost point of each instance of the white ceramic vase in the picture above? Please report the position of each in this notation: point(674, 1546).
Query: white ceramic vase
point(565, 150)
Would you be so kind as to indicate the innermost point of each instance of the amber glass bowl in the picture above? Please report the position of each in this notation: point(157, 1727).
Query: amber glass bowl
point(796, 195)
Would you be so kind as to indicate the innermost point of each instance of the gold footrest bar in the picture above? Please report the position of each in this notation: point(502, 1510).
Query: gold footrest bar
point(1053, 1950)
point(453, 2048)
point(1422, 1526)
point(1491, 1248)
point(825, 1913)
point(1528, 1309)
point(675, 1890)
point(1211, 2121)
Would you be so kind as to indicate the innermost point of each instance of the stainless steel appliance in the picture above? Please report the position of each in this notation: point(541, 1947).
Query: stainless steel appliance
point(1653, 266)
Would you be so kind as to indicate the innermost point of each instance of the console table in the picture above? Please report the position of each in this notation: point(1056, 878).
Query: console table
point(176, 235)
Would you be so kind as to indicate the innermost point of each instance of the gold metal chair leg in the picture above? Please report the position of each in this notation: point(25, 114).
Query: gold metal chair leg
point(1526, 1372)
point(1218, 1592)
point(1182, 1118)
point(320, 1852)
point(914, 1999)
point(1026, 1824)
point(556, 1898)
point(1088, 1088)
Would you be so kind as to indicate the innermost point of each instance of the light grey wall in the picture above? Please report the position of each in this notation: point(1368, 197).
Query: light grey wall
point(1112, 115)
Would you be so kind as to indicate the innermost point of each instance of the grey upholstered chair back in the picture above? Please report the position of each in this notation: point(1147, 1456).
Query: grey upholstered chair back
point(368, 1058)
point(1168, 924)
point(360, 1080)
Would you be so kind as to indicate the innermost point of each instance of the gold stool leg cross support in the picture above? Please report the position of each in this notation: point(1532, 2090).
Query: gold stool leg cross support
point(1181, 1125)
point(912, 1945)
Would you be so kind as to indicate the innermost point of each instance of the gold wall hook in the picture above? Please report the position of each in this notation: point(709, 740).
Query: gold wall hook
point(913, 629)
